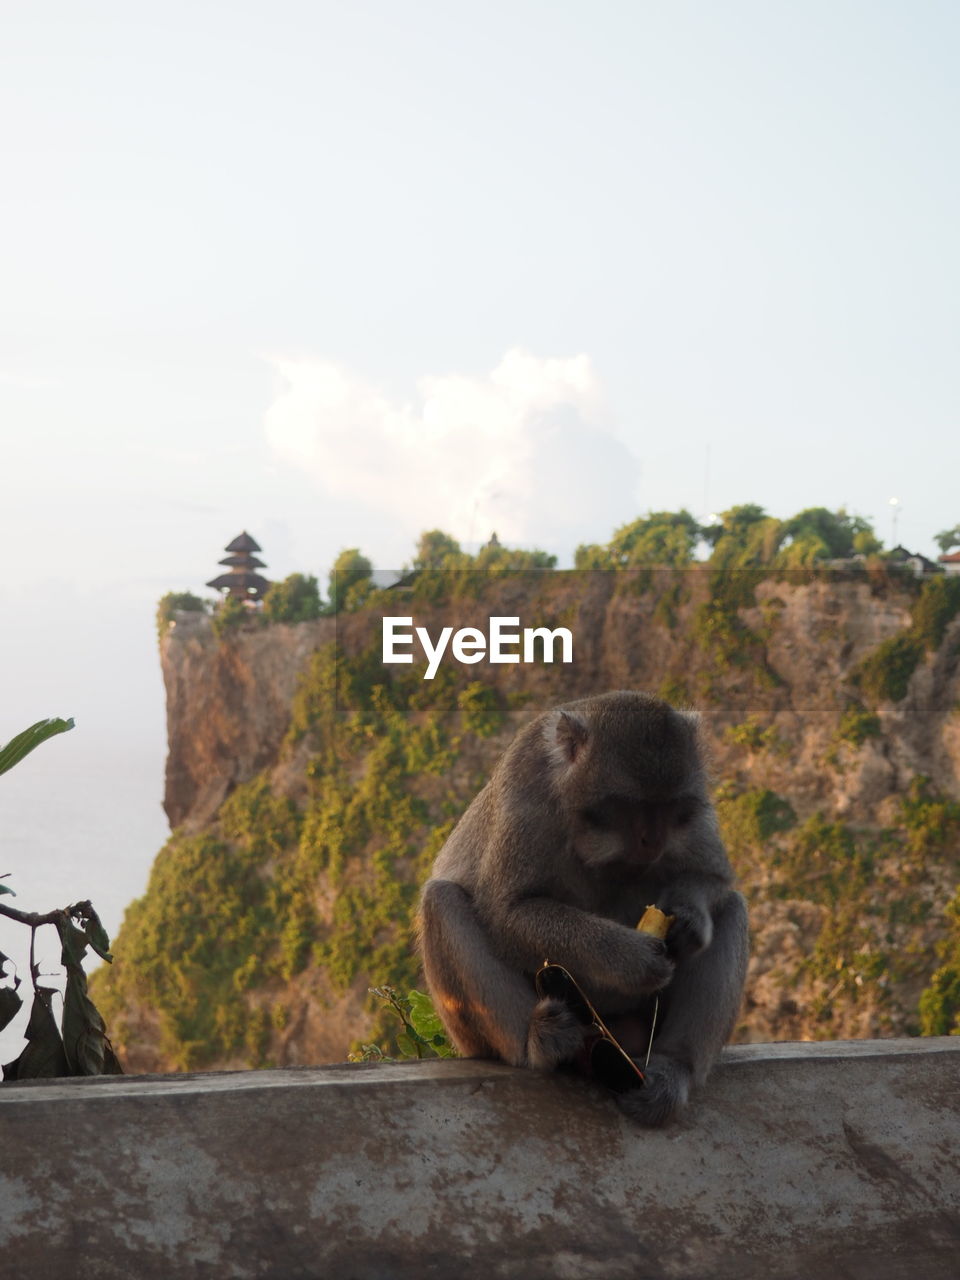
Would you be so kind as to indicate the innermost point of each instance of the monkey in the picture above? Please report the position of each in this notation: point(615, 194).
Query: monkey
point(598, 808)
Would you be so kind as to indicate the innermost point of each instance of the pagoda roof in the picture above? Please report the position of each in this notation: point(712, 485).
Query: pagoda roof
point(242, 560)
point(243, 542)
point(240, 580)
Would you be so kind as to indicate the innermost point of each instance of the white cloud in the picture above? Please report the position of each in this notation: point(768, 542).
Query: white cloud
point(526, 450)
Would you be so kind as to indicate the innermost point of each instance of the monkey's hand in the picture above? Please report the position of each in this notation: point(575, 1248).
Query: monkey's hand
point(645, 969)
point(555, 1035)
point(691, 931)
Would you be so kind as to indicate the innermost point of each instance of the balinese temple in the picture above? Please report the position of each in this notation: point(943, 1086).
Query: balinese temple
point(242, 582)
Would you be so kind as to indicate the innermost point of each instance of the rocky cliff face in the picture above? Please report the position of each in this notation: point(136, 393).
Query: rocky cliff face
point(228, 707)
point(839, 806)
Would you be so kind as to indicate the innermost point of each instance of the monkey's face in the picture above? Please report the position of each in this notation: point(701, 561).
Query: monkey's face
point(628, 773)
point(630, 833)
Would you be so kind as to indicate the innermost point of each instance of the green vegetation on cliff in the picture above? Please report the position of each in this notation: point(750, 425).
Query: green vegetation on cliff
point(231, 914)
point(305, 884)
point(885, 673)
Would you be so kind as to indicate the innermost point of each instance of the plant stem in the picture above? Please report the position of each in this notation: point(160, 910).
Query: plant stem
point(31, 918)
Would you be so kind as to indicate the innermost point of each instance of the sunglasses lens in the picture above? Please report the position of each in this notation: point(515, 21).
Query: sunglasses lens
point(554, 983)
point(611, 1067)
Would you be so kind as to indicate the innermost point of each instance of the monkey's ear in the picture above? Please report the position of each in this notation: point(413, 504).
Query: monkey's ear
point(570, 734)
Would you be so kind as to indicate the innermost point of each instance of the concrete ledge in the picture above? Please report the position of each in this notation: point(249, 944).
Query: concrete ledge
point(799, 1161)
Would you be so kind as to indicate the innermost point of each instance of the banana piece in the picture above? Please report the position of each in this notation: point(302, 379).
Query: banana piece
point(656, 922)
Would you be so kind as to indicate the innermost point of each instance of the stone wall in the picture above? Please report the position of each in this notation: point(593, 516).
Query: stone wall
point(796, 1161)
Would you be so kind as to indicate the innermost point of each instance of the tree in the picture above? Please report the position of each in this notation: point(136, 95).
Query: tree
point(350, 570)
point(496, 556)
point(745, 537)
point(589, 555)
point(819, 534)
point(662, 538)
point(437, 550)
point(295, 599)
point(866, 543)
point(948, 539)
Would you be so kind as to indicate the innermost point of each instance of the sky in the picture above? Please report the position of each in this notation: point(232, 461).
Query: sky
point(339, 273)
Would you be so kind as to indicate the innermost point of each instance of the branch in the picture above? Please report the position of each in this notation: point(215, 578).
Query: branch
point(30, 918)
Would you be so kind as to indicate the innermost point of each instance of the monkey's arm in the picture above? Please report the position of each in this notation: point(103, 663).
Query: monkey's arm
point(693, 898)
point(601, 953)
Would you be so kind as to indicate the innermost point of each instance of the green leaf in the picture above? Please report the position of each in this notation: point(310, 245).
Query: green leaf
point(423, 1016)
point(93, 930)
point(44, 1055)
point(83, 1028)
point(408, 1046)
point(111, 1063)
point(5, 888)
point(427, 1025)
point(73, 941)
point(25, 742)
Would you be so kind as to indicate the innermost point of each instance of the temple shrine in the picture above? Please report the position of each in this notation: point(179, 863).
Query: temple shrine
point(242, 582)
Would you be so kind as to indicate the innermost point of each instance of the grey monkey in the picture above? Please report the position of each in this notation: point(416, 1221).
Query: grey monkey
point(598, 808)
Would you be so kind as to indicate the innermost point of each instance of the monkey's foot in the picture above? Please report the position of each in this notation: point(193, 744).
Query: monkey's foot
point(554, 1036)
point(662, 1095)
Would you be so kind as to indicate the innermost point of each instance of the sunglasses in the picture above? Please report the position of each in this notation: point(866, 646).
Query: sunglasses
point(603, 1058)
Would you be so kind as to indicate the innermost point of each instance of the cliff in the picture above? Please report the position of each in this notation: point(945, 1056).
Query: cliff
point(228, 707)
point(311, 787)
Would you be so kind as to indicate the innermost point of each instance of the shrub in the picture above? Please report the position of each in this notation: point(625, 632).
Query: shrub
point(937, 606)
point(932, 822)
point(79, 1045)
point(350, 569)
point(857, 724)
point(295, 599)
point(940, 1002)
point(754, 737)
point(177, 602)
point(884, 675)
point(480, 709)
point(748, 820)
point(229, 615)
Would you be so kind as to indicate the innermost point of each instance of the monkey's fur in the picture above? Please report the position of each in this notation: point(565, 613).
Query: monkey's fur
point(598, 808)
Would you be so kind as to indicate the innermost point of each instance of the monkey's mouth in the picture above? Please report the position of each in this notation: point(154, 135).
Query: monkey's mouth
point(601, 1057)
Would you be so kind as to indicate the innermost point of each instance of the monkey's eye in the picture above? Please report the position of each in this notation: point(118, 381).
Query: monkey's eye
point(596, 818)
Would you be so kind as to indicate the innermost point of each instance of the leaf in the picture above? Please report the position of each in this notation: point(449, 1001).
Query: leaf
point(44, 1055)
point(73, 941)
point(88, 1050)
point(83, 1029)
point(5, 888)
point(25, 742)
point(427, 1025)
point(10, 1003)
point(93, 930)
point(111, 1063)
point(408, 1046)
point(423, 1016)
